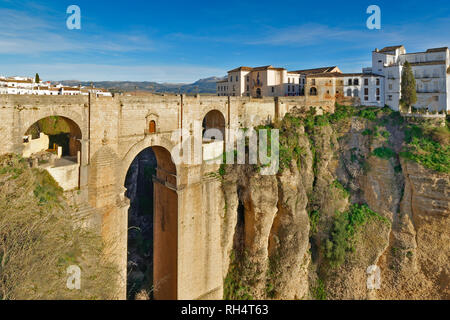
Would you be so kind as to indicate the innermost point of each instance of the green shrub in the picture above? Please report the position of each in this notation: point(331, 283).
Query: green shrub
point(319, 292)
point(384, 153)
point(369, 114)
point(340, 187)
point(234, 287)
point(341, 112)
point(314, 217)
point(427, 149)
point(344, 228)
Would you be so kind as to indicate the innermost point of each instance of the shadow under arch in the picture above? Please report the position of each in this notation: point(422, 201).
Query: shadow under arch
point(61, 130)
point(151, 184)
point(214, 119)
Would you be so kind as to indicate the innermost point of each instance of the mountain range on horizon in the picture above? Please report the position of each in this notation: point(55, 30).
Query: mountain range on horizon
point(207, 85)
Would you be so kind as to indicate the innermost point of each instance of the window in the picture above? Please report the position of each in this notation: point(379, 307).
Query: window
point(378, 91)
point(289, 88)
point(356, 93)
point(390, 98)
point(366, 98)
point(237, 79)
point(349, 92)
point(378, 81)
point(366, 91)
point(289, 80)
point(273, 89)
point(380, 61)
point(356, 82)
point(313, 82)
point(390, 86)
point(248, 79)
point(349, 82)
point(313, 92)
point(436, 98)
point(366, 82)
point(378, 98)
point(152, 127)
point(248, 88)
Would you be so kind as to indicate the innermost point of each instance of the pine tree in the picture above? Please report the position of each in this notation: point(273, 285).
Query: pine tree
point(37, 79)
point(409, 94)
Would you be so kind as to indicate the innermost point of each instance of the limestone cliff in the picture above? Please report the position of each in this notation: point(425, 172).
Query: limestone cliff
point(353, 192)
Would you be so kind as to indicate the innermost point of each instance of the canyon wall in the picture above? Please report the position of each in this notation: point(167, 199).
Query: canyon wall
point(338, 207)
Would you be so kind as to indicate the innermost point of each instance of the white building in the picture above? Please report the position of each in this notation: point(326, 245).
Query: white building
point(23, 85)
point(431, 70)
point(366, 87)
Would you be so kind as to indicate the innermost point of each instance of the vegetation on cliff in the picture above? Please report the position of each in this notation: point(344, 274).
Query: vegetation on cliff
point(429, 146)
point(349, 164)
point(342, 235)
point(40, 237)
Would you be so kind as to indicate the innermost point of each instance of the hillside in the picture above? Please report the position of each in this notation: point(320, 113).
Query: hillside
point(40, 237)
point(207, 85)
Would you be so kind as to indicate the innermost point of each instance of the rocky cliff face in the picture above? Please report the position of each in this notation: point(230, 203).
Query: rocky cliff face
point(344, 201)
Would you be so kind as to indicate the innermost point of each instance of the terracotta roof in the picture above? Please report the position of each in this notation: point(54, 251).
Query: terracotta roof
point(256, 69)
point(324, 75)
point(437, 49)
point(317, 70)
point(359, 75)
point(221, 81)
point(392, 48)
point(241, 69)
point(267, 68)
point(70, 89)
point(351, 74)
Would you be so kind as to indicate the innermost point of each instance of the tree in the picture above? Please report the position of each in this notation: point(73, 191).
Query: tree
point(409, 94)
point(37, 79)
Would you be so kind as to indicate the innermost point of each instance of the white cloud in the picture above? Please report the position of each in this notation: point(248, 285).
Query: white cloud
point(27, 34)
point(103, 72)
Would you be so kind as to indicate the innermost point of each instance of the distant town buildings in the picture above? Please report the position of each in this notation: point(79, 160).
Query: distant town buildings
point(25, 85)
point(378, 85)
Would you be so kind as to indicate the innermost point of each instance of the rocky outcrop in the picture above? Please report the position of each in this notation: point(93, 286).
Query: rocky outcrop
point(287, 219)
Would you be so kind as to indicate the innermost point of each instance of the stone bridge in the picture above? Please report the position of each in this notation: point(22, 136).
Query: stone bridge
point(107, 133)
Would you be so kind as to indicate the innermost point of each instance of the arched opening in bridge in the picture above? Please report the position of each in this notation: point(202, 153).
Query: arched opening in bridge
point(54, 143)
point(61, 131)
point(152, 226)
point(214, 119)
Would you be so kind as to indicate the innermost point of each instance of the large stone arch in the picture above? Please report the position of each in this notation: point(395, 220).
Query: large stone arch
point(161, 140)
point(165, 214)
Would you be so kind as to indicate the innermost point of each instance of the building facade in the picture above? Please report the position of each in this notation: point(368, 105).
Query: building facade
point(267, 81)
point(431, 70)
point(377, 86)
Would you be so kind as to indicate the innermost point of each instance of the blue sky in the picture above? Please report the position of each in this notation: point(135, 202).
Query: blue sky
point(182, 41)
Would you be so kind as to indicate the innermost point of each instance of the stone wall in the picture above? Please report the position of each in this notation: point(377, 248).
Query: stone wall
point(114, 130)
